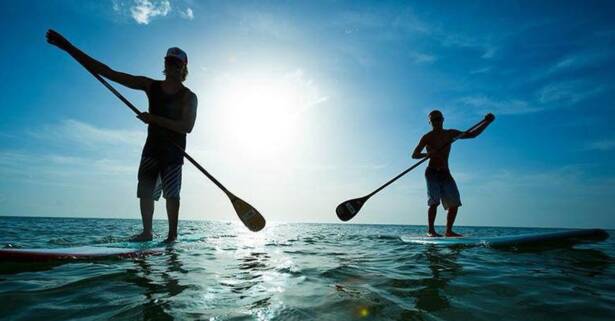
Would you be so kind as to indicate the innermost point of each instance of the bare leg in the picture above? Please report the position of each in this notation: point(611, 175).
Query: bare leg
point(173, 215)
point(431, 216)
point(450, 220)
point(147, 214)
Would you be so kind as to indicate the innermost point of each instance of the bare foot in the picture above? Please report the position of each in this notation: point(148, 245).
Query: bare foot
point(452, 234)
point(141, 238)
point(170, 239)
point(433, 234)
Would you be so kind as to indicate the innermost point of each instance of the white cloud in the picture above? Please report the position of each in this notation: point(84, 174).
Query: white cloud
point(144, 10)
point(188, 14)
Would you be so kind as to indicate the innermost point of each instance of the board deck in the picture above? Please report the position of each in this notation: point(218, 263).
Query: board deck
point(74, 253)
point(560, 237)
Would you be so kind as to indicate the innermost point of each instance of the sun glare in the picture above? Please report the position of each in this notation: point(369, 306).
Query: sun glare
point(261, 114)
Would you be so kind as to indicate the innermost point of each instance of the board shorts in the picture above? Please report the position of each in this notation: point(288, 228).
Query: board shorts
point(156, 178)
point(441, 186)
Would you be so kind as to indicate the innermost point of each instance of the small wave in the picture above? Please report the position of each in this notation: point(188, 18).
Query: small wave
point(62, 242)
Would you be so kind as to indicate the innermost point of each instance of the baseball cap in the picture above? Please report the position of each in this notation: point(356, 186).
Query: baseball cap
point(177, 53)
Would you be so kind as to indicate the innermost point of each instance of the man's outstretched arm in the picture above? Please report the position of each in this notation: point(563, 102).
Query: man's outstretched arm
point(130, 81)
point(489, 118)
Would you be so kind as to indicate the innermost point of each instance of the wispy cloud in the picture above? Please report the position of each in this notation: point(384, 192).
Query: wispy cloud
point(568, 92)
point(393, 26)
point(484, 104)
point(356, 21)
point(578, 60)
point(451, 39)
point(264, 22)
point(87, 135)
point(573, 179)
point(407, 21)
point(482, 70)
point(422, 58)
point(311, 93)
point(601, 145)
point(58, 169)
point(187, 14)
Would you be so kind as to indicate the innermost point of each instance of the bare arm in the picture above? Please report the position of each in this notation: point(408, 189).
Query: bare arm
point(418, 150)
point(130, 81)
point(184, 125)
point(489, 118)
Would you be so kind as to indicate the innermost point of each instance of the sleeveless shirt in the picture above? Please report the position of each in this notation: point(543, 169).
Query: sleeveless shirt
point(159, 143)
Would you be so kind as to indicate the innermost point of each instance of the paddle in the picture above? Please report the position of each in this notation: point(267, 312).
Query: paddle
point(252, 219)
point(348, 209)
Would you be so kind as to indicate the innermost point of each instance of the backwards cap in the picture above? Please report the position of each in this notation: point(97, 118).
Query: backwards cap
point(177, 53)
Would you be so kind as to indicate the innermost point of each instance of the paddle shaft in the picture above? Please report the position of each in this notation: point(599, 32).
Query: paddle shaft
point(422, 161)
point(136, 111)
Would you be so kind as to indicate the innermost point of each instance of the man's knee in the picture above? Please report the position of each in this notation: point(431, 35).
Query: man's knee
point(172, 201)
point(146, 200)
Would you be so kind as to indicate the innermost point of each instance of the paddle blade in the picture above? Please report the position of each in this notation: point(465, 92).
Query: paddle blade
point(350, 208)
point(250, 217)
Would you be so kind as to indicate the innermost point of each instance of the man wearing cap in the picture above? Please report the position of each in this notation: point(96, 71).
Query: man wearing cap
point(172, 113)
point(440, 183)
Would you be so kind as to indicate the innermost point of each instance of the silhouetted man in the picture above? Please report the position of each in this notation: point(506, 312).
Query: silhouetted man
point(172, 113)
point(440, 182)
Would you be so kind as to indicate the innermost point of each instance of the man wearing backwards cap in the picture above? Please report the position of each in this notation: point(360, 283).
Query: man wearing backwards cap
point(440, 183)
point(172, 113)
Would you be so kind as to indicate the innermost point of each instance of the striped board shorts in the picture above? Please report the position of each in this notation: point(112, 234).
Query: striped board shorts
point(441, 186)
point(155, 180)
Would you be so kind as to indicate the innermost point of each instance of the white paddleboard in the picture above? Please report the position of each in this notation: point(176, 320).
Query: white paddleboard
point(72, 253)
point(560, 237)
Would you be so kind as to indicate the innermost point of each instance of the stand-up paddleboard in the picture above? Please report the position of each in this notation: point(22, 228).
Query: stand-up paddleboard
point(561, 237)
point(74, 253)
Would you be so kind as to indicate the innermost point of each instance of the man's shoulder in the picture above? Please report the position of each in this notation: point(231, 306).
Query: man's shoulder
point(190, 97)
point(453, 132)
point(189, 93)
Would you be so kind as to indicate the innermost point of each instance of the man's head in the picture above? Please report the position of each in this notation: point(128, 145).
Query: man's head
point(176, 64)
point(436, 119)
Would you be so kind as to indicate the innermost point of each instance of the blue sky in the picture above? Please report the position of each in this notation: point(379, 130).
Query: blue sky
point(305, 104)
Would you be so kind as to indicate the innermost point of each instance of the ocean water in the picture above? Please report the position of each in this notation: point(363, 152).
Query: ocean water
point(221, 271)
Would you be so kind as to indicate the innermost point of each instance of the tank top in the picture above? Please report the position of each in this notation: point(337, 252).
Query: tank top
point(159, 143)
